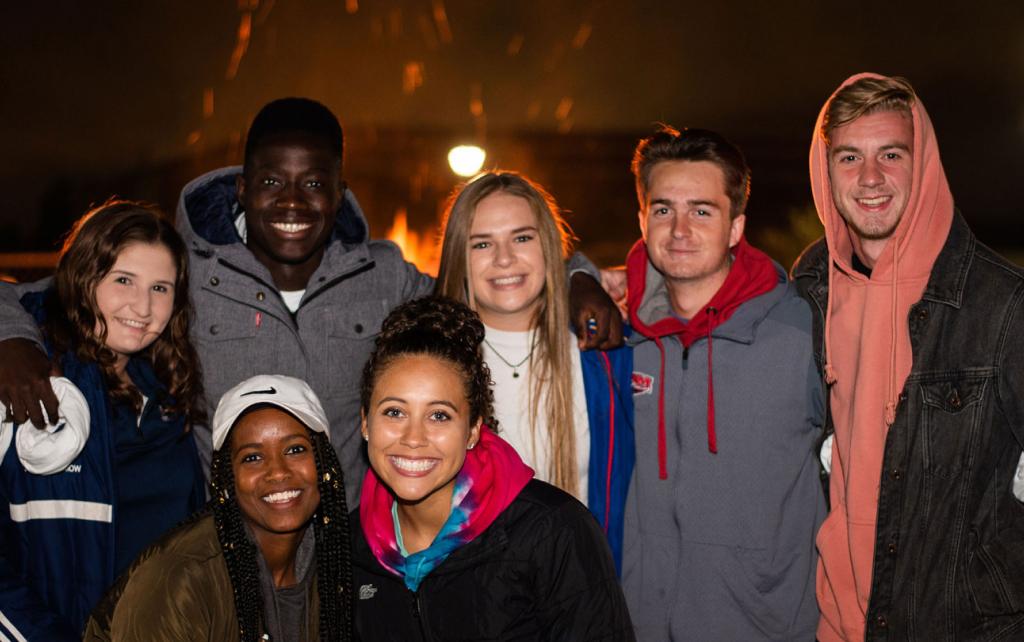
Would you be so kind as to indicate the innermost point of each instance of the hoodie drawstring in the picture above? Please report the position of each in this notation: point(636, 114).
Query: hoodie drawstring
point(830, 373)
point(890, 402)
point(662, 448)
point(712, 437)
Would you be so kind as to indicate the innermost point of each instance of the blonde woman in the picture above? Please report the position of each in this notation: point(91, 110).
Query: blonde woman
point(568, 413)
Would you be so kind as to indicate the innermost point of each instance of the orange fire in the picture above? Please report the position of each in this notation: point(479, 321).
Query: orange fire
point(419, 249)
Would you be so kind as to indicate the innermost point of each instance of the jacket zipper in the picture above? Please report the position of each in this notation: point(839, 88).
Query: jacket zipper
point(417, 614)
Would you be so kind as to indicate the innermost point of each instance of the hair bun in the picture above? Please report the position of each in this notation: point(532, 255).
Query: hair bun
point(444, 328)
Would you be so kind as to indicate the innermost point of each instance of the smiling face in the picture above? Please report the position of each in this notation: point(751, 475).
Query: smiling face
point(418, 428)
point(870, 165)
point(506, 262)
point(275, 473)
point(136, 298)
point(291, 190)
point(686, 223)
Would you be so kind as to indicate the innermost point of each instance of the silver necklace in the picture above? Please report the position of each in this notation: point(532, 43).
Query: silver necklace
point(514, 366)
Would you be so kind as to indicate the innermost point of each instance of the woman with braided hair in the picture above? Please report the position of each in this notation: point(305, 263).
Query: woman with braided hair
point(453, 538)
point(269, 559)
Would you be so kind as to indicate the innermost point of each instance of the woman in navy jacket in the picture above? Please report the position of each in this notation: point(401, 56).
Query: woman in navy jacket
point(81, 501)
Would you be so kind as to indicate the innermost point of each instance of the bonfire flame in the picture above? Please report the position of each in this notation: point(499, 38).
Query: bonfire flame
point(419, 249)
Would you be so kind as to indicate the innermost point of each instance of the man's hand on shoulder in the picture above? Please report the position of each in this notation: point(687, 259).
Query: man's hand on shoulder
point(595, 316)
point(25, 383)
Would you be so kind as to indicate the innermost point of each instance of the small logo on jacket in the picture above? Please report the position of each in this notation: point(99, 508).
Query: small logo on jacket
point(366, 591)
point(643, 384)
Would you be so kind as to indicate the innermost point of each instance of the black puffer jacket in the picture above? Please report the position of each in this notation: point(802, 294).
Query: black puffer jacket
point(541, 571)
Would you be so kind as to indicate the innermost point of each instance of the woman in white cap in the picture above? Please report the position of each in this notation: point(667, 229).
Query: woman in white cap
point(83, 498)
point(275, 536)
point(454, 539)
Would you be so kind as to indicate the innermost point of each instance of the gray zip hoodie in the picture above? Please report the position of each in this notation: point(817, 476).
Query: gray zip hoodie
point(722, 548)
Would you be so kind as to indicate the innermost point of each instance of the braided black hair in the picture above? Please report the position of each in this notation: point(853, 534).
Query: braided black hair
point(330, 528)
point(440, 327)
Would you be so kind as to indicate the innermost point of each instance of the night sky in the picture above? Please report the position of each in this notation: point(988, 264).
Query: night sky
point(97, 89)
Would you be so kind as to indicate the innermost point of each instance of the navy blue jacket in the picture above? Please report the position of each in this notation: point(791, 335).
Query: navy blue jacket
point(57, 532)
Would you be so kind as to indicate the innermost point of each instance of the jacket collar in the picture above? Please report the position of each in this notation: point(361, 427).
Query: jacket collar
point(948, 278)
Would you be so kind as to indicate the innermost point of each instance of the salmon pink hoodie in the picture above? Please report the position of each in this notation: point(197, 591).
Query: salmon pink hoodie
point(868, 358)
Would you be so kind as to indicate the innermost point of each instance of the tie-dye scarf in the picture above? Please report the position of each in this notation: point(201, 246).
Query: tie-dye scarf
point(490, 479)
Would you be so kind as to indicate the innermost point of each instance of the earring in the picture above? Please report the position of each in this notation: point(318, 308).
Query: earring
point(470, 447)
point(366, 436)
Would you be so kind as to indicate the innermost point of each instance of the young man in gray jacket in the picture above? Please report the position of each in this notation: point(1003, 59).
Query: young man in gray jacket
point(284, 279)
point(725, 498)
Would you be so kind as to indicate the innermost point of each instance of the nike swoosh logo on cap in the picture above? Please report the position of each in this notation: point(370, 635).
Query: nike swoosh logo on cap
point(269, 391)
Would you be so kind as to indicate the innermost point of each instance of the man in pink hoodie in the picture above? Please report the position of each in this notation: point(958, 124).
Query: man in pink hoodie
point(919, 331)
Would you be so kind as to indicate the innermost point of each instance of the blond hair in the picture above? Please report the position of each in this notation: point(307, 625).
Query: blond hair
point(550, 361)
point(866, 96)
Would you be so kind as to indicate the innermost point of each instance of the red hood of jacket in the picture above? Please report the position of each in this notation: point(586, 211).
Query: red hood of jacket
point(752, 274)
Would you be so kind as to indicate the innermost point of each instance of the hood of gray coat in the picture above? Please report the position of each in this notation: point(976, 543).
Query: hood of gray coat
point(209, 206)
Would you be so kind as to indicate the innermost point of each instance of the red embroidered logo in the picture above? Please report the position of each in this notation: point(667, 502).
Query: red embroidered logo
point(643, 384)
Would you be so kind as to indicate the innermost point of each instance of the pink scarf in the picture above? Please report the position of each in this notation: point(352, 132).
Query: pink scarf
point(490, 479)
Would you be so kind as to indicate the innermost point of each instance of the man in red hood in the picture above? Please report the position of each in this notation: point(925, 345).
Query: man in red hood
point(919, 330)
point(725, 497)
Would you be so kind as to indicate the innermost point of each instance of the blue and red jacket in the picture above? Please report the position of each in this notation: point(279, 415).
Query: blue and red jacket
point(607, 380)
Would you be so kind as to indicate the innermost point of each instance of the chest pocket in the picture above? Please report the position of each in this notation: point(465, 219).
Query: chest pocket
point(351, 330)
point(226, 347)
point(952, 411)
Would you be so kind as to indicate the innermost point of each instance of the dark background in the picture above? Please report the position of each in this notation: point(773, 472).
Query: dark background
point(137, 98)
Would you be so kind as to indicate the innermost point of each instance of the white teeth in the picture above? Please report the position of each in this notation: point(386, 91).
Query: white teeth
point(872, 202)
point(282, 496)
point(291, 228)
point(132, 324)
point(414, 465)
point(508, 280)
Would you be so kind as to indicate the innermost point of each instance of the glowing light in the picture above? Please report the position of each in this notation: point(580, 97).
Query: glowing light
point(420, 249)
point(466, 160)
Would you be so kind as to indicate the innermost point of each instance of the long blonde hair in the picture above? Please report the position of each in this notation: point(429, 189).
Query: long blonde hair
point(550, 361)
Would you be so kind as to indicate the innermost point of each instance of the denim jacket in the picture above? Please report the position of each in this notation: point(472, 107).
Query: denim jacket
point(949, 548)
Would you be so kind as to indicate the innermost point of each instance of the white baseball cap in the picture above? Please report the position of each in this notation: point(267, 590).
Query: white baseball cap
point(288, 393)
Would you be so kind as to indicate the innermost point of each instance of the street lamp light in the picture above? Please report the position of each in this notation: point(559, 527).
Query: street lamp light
point(466, 160)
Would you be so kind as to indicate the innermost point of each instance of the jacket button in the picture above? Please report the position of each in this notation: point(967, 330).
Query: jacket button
point(892, 548)
point(359, 328)
point(922, 314)
point(882, 622)
point(214, 280)
point(903, 397)
point(260, 296)
point(214, 329)
point(897, 474)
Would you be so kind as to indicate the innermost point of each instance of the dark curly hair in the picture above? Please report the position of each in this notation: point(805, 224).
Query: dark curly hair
point(73, 319)
point(330, 528)
point(440, 327)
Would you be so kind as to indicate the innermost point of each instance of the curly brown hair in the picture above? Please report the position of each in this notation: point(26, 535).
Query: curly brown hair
point(73, 319)
point(443, 328)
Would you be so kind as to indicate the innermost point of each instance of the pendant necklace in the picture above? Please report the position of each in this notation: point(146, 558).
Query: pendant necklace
point(514, 366)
